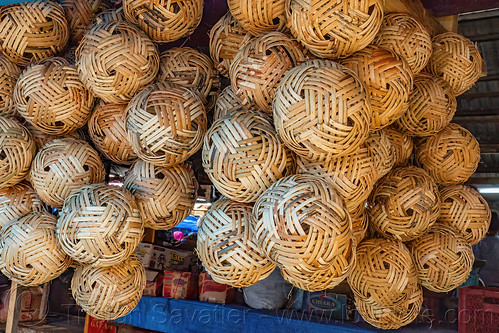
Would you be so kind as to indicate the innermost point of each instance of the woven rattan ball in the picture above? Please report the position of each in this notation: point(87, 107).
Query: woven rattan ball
point(100, 225)
point(9, 73)
point(302, 226)
point(456, 60)
point(321, 110)
point(163, 20)
point(62, 167)
point(383, 271)
point(110, 15)
point(451, 156)
point(360, 222)
point(32, 31)
point(107, 131)
point(165, 196)
point(41, 138)
point(17, 201)
point(259, 66)
point(432, 105)
point(226, 38)
point(392, 317)
point(402, 144)
point(259, 16)
point(337, 28)
point(30, 252)
point(466, 210)
point(108, 293)
point(405, 204)
point(17, 149)
point(243, 156)
point(388, 79)
point(227, 102)
point(228, 247)
point(405, 36)
point(166, 124)
point(80, 13)
point(50, 95)
point(383, 152)
point(189, 68)
point(115, 60)
point(443, 258)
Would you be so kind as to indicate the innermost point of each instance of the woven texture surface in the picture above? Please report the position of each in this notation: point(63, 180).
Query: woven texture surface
point(243, 156)
point(17, 201)
point(259, 16)
point(360, 223)
point(259, 66)
point(50, 95)
point(165, 196)
point(226, 38)
point(107, 293)
point(31, 254)
point(115, 60)
point(110, 15)
point(443, 258)
point(79, 13)
point(432, 105)
point(388, 79)
point(107, 130)
point(100, 225)
point(9, 73)
point(41, 138)
point(62, 167)
point(32, 31)
point(319, 280)
point(451, 156)
point(405, 204)
point(164, 20)
point(166, 124)
point(383, 152)
point(228, 247)
point(337, 28)
point(405, 36)
point(457, 60)
point(189, 68)
point(402, 143)
point(321, 109)
point(466, 210)
point(227, 102)
point(17, 149)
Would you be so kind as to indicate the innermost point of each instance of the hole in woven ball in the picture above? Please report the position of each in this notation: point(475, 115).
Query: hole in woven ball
point(175, 8)
point(386, 265)
point(426, 266)
point(472, 58)
point(2, 155)
point(86, 168)
point(112, 72)
point(468, 230)
point(448, 200)
point(160, 175)
point(327, 36)
point(59, 123)
point(350, 122)
point(459, 254)
point(275, 21)
point(268, 52)
point(371, 10)
point(409, 211)
point(46, 169)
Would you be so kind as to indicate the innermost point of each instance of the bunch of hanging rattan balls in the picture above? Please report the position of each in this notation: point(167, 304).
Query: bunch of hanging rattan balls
point(331, 146)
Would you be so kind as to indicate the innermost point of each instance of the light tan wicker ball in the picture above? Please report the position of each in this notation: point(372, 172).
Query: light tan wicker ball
point(321, 110)
point(62, 167)
point(165, 124)
point(405, 36)
point(115, 60)
point(32, 31)
point(110, 15)
point(79, 13)
point(302, 226)
point(31, 254)
point(382, 150)
point(228, 247)
point(41, 138)
point(227, 102)
point(9, 73)
point(383, 271)
point(259, 16)
point(258, 67)
point(334, 28)
point(402, 144)
point(100, 225)
point(17, 149)
point(164, 20)
point(388, 79)
point(243, 156)
point(226, 38)
point(107, 131)
point(443, 258)
point(165, 196)
point(466, 210)
point(107, 293)
point(190, 68)
point(451, 156)
point(360, 222)
point(50, 95)
point(405, 204)
point(17, 201)
point(457, 60)
point(392, 317)
point(432, 105)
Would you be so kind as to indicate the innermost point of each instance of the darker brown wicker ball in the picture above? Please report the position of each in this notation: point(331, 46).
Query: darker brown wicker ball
point(9, 73)
point(227, 102)
point(79, 13)
point(17, 201)
point(402, 144)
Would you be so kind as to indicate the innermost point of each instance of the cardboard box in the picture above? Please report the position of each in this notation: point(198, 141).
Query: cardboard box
point(154, 283)
point(30, 306)
point(214, 292)
point(180, 285)
point(157, 257)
